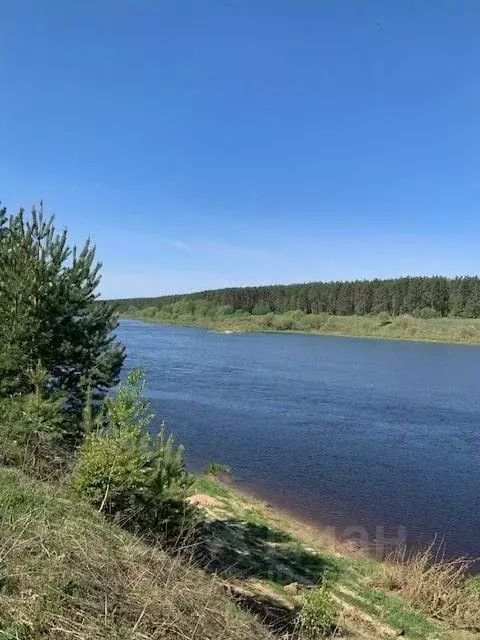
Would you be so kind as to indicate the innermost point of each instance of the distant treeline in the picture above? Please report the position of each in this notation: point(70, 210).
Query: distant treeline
point(437, 296)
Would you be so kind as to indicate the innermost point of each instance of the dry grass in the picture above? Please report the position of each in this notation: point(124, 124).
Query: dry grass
point(437, 586)
point(452, 330)
point(66, 573)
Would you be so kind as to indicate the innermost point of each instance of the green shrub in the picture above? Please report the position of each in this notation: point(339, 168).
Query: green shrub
point(282, 322)
point(427, 313)
point(319, 615)
point(204, 309)
point(165, 311)
point(309, 322)
point(149, 312)
point(217, 469)
point(469, 310)
point(128, 474)
point(316, 320)
point(266, 321)
point(183, 307)
point(260, 310)
point(383, 318)
point(296, 314)
point(34, 429)
point(225, 310)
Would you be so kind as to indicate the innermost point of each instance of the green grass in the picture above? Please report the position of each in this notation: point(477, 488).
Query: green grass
point(396, 612)
point(211, 487)
point(452, 330)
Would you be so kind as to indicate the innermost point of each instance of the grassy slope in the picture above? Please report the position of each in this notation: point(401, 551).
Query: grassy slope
point(453, 330)
point(259, 551)
point(66, 573)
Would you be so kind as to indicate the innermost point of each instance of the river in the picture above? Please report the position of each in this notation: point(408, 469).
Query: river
point(351, 433)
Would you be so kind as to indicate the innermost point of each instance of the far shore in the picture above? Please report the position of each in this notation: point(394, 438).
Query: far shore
point(443, 330)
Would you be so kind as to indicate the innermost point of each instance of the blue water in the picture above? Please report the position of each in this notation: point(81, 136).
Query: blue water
point(345, 432)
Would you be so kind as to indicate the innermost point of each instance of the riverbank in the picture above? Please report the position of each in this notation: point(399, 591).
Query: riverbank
point(449, 330)
point(265, 553)
point(67, 572)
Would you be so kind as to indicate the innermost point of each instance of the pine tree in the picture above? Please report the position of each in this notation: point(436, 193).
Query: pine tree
point(49, 315)
point(33, 432)
point(129, 473)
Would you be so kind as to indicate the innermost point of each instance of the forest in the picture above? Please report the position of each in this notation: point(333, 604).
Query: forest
point(426, 297)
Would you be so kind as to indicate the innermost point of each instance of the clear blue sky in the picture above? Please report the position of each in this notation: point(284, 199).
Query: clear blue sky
point(205, 143)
